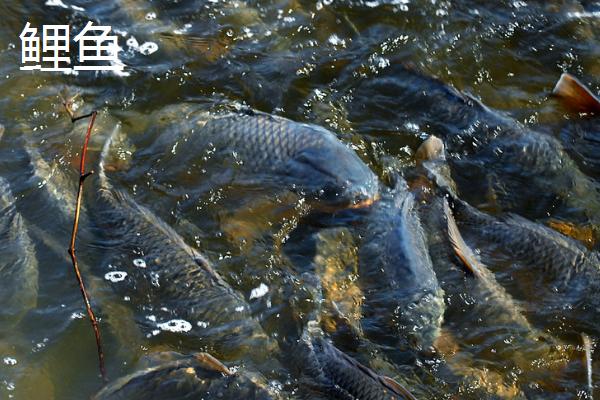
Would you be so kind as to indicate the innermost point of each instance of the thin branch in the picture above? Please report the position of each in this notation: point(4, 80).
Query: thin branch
point(82, 176)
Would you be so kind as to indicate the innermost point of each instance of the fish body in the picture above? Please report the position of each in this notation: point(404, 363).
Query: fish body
point(198, 376)
point(474, 292)
point(403, 301)
point(581, 139)
point(258, 148)
point(179, 284)
point(401, 95)
point(486, 149)
point(18, 262)
point(328, 373)
point(567, 271)
point(529, 175)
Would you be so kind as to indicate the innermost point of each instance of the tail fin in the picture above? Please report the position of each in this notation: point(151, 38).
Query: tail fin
point(461, 249)
point(576, 95)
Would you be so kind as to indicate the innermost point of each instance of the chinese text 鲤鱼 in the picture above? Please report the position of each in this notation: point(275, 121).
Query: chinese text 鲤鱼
point(98, 50)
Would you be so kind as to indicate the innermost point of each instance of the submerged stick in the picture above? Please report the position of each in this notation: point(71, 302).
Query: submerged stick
point(82, 176)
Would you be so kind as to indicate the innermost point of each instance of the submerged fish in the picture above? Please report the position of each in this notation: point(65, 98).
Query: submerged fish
point(18, 262)
point(328, 373)
point(403, 302)
point(175, 376)
point(178, 284)
point(260, 149)
point(336, 265)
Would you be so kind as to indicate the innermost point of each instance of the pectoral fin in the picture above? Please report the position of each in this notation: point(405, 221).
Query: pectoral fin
point(398, 388)
point(461, 249)
point(575, 95)
point(210, 362)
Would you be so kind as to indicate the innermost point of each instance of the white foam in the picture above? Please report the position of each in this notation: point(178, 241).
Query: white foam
point(584, 14)
point(148, 48)
point(59, 3)
point(9, 361)
point(77, 315)
point(115, 276)
point(175, 325)
point(259, 292)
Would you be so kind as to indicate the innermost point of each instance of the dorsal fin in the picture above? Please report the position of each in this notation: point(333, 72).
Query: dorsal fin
point(397, 387)
point(575, 95)
point(210, 362)
point(461, 249)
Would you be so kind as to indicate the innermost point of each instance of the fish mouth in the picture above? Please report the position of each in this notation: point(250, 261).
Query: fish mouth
point(359, 202)
point(364, 203)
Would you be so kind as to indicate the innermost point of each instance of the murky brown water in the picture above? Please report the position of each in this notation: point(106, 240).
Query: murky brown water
point(349, 66)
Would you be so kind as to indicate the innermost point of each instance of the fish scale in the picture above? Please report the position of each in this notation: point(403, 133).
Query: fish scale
point(403, 299)
point(531, 243)
point(329, 372)
point(569, 271)
point(269, 136)
point(274, 152)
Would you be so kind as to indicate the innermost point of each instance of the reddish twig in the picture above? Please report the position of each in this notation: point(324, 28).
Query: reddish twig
point(82, 176)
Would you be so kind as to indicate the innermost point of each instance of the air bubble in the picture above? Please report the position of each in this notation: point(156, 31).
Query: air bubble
point(115, 276)
point(140, 263)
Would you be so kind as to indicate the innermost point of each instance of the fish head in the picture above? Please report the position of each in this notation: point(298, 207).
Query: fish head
point(335, 176)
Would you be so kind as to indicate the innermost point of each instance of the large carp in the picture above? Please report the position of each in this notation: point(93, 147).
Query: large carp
point(176, 285)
